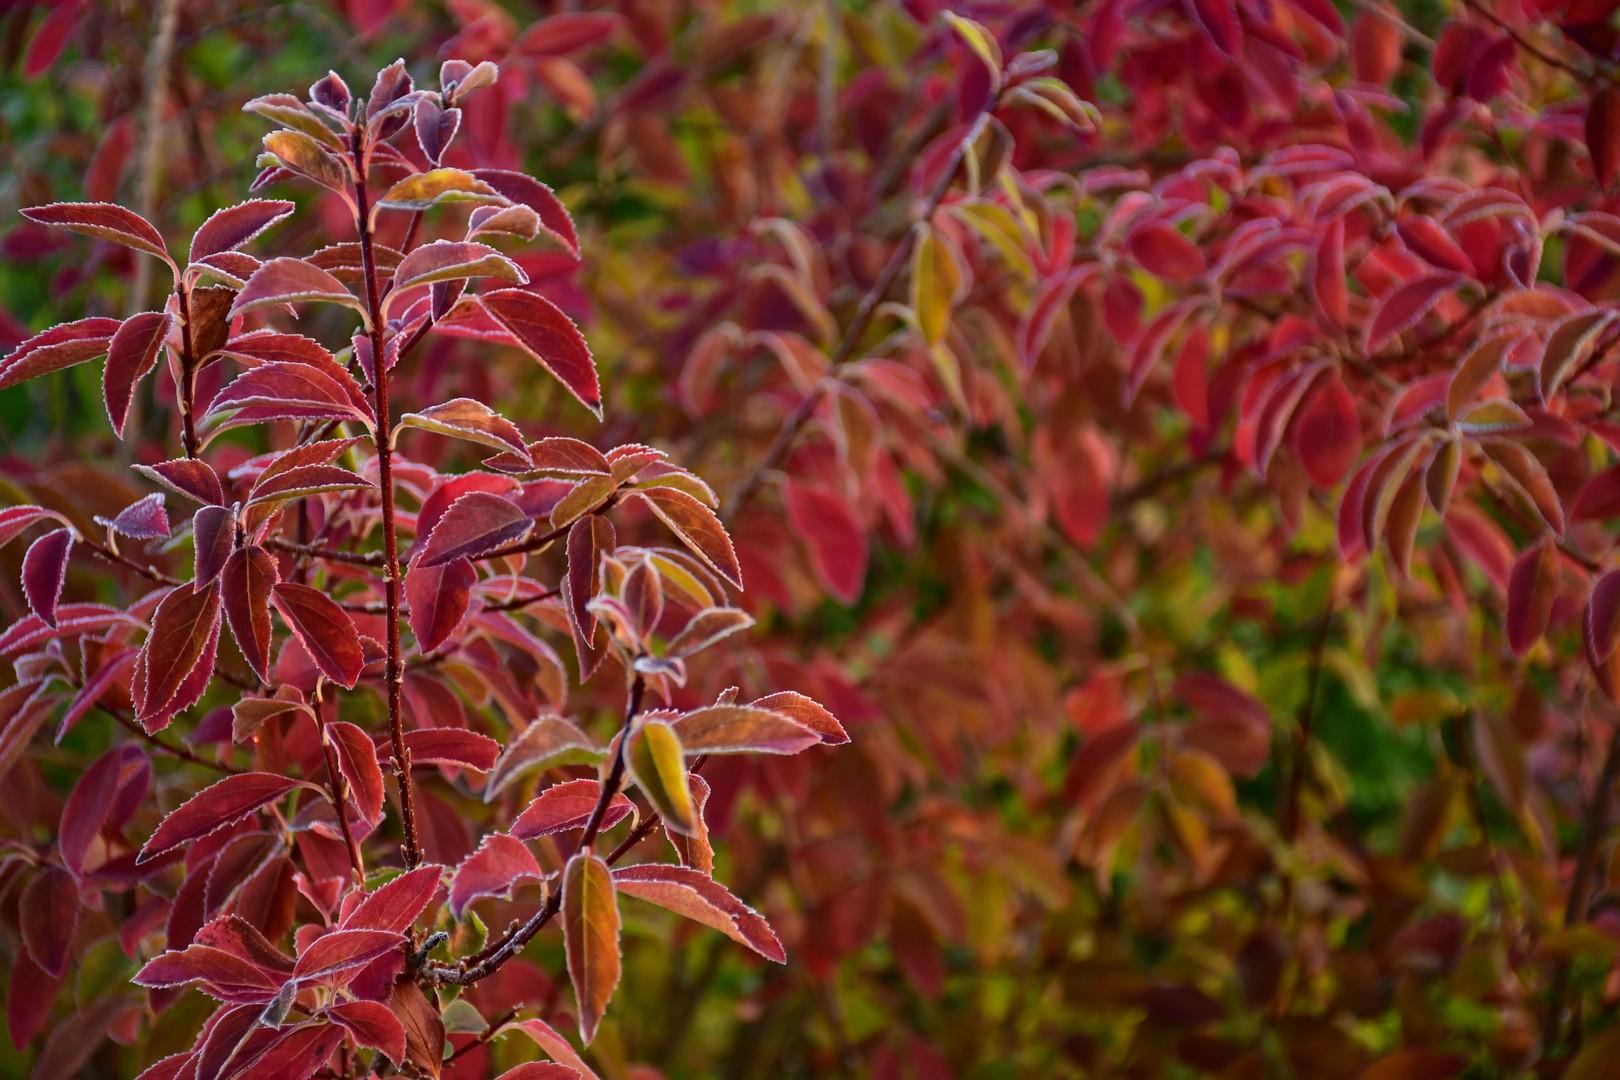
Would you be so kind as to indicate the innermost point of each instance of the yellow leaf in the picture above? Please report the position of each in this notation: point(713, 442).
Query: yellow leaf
point(936, 281)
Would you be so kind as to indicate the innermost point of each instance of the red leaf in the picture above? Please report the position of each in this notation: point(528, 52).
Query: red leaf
point(1050, 300)
point(424, 1028)
point(230, 228)
point(131, 353)
point(499, 864)
point(1189, 380)
point(224, 803)
point(545, 333)
point(47, 44)
point(285, 281)
point(299, 481)
point(1426, 239)
point(453, 260)
point(398, 904)
point(357, 760)
point(565, 33)
point(540, 1070)
point(565, 806)
point(185, 631)
point(288, 391)
point(324, 629)
point(29, 998)
point(438, 597)
point(527, 191)
point(1218, 19)
point(1406, 304)
point(49, 916)
point(91, 802)
point(698, 529)
point(1532, 588)
point(807, 713)
point(1603, 134)
point(1375, 48)
point(837, 541)
point(696, 896)
point(477, 523)
point(554, 1045)
point(213, 534)
point(372, 1024)
point(14, 519)
point(71, 619)
point(189, 477)
point(247, 580)
point(590, 917)
point(1328, 435)
point(227, 977)
point(104, 221)
point(742, 729)
point(1328, 284)
point(1162, 250)
point(1602, 619)
point(297, 1054)
point(1600, 498)
point(452, 746)
point(44, 570)
point(57, 348)
point(344, 950)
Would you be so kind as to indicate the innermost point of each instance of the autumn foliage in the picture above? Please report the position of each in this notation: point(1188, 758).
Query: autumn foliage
point(895, 540)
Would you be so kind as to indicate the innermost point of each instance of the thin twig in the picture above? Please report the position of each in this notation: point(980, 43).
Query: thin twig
point(179, 752)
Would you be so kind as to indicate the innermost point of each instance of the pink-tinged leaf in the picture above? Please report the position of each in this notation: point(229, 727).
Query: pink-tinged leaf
point(698, 528)
point(475, 524)
point(372, 1024)
point(540, 1070)
point(289, 391)
point(234, 226)
point(1050, 301)
point(584, 497)
point(14, 519)
point(285, 281)
point(398, 904)
point(247, 580)
point(43, 49)
point(185, 628)
point(357, 760)
point(1328, 435)
point(71, 620)
point(545, 333)
point(439, 597)
point(452, 746)
point(707, 627)
point(1218, 19)
point(143, 519)
point(566, 33)
point(1603, 134)
point(30, 994)
point(44, 571)
point(227, 977)
point(224, 803)
point(1327, 276)
point(1406, 304)
point(1476, 370)
point(251, 713)
point(132, 352)
point(1164, 252)
point(324, 629)
point(91, 802)
point(49, 917)
point(742, 729)
point(807, 713)
point(213, 534)
point(1424, 237)
point(698, 897)
point(1532, 588)
point(300, 481)
point(57, 348)
point(1569, 345)
point(344, 950)
point(588, 539)
point(189, 477)
point(104, 221)
point(1375, 48)
point(547, 741)
point(500, 864)
point(1602, 619)
point(465, 418)
point(565, 806)
point(1151, 343)
point(527, 191)
point(453, 260)
point(553, 1044)
point(297, 1054)
point(834, 535)
point(590, 917)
